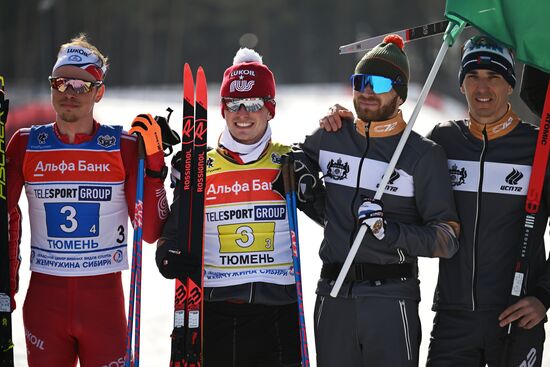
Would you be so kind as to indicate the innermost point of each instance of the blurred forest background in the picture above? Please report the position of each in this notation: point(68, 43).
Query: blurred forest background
point(147, 41)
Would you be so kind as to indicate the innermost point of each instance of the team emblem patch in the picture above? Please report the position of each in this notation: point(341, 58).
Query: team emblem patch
point(337, 170)
point(514, 177)
point(458, 177)
point(106, 141)
point(394, 177)
point(391, 182)
point(377, 226)
point(42, 137)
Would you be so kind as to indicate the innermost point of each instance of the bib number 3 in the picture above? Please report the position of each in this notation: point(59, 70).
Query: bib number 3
point(72, 220)
point(70, 215)
point(246, 237)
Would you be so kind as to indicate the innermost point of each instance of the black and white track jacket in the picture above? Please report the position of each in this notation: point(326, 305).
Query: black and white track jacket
point(418, 201)
point(490, 166)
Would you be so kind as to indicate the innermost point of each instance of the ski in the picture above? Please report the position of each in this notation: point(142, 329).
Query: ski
point(408, 35)
point(532, 203)
point(187, 333)
point(6, 342)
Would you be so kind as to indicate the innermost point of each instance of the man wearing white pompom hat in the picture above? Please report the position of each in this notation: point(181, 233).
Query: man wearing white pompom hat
point(250, 308)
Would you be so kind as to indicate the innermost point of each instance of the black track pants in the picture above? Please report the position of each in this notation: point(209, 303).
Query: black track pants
point(366, 331)
point(472, 339)
point(248, 335)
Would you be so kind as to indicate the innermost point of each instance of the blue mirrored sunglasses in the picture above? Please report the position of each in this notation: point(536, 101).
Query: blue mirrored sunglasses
point(378, 84)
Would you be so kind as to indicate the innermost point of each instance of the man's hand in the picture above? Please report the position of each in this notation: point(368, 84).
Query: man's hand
point(529, 311)
point(333, 120)
point(305, 181)
point(371, 214)
point(172, 263)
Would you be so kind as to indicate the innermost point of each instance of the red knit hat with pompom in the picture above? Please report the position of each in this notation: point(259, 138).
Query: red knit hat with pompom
point(388, 59)
point(248, 77)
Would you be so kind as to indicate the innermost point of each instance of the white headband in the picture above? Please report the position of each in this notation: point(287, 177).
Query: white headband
point(83, 58)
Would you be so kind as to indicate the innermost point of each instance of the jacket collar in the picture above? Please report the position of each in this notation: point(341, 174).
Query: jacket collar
point(495, 129)
point(382, 129)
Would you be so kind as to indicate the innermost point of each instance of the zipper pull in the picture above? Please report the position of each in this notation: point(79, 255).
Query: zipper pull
point(367, 127)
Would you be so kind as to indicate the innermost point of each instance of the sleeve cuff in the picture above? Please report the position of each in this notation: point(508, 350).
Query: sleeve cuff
point(543, 295)
point(392, 232)
point(155, 162)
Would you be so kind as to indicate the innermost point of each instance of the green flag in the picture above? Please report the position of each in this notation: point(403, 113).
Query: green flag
point(523, 25)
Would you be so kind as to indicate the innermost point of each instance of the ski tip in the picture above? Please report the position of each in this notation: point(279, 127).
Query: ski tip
point(187, 73)
point(200, 73)
point(188, 85)
point(202, 90)
point(201, 76)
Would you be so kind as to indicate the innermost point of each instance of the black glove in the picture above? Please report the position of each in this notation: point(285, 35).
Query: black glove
point(172, 263)
point(304, 180)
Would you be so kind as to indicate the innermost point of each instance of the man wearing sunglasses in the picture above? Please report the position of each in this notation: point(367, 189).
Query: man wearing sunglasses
point(80, 181)
point(375, 314)
point(250, 308)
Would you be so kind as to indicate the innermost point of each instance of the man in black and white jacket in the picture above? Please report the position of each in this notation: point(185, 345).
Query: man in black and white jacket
point(378, 302)
point(490, 156)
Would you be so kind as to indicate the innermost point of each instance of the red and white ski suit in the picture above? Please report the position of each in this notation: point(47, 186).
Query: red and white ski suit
point(74, 308)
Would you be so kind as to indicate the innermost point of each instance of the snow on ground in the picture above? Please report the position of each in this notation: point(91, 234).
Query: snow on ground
point(298, 111)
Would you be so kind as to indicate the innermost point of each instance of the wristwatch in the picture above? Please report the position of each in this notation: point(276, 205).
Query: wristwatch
point(157, 174)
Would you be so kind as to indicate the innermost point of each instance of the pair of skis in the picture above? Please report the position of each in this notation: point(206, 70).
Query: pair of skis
point(6, 342)
point(187, 333)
